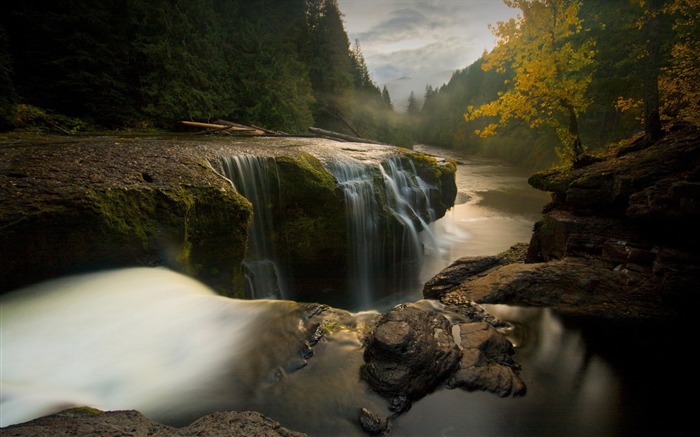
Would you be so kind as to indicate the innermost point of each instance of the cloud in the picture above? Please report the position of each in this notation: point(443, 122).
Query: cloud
point(421, 39)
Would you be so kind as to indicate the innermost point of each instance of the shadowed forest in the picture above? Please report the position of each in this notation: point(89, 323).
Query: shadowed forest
point(78, 66)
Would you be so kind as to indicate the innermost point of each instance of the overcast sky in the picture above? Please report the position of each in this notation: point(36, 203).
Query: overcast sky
point(408, 44)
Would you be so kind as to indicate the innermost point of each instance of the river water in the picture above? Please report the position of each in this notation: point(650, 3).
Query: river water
point(153, 340)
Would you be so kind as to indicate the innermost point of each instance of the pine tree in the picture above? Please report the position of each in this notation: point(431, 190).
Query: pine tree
point(387, 98)
point(413, 107)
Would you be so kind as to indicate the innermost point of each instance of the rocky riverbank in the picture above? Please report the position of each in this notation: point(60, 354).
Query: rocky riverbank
point(616, 243)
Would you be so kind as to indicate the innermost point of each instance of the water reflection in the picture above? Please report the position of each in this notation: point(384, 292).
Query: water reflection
point(583, 379)
point(495, 208)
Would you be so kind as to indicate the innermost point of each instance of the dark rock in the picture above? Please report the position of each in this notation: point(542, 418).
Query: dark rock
point(466, 267)
point(615, 244)
point(487, 362)
point(410, 353)
point(455, 273)
point(372, 423)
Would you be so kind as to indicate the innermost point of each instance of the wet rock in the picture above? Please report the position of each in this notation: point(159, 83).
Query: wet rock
point(372, 423)
point(410, 353)
point(487, 362)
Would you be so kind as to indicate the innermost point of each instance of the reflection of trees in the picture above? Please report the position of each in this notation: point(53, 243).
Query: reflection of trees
point(563, 373)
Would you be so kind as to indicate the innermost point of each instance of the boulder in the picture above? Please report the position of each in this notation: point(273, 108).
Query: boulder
point(416, 348)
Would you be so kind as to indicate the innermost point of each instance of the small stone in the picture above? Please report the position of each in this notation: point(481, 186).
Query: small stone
point(372, 423)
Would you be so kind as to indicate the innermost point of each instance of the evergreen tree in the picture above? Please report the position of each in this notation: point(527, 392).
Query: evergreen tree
point(330, 62)
point(413, 107)
point(387, 98)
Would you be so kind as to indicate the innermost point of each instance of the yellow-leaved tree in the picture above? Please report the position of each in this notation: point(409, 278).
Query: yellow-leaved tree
point(680, 81)
point(552, 60)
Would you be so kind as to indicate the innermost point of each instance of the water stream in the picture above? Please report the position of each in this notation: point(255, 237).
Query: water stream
point(156, 341)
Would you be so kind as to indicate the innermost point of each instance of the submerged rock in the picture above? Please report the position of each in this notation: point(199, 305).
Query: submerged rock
point(373, 424)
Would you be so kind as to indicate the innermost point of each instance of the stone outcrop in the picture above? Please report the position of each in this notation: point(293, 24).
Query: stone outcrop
point(89, 422)
point(615, 243)
point(74, 205)
point(416, 348)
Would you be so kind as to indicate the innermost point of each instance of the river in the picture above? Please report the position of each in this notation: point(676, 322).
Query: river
point(161, 343)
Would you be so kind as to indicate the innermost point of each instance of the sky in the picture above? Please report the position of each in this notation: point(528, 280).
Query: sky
point(408, 44)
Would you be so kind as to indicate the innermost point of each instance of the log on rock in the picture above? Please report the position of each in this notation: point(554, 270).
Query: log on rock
point(226, 127)
point(339, 136)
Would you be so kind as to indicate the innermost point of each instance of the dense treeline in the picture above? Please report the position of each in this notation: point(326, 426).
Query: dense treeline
point(612, 68)
point(150, 63)
point(639, 47)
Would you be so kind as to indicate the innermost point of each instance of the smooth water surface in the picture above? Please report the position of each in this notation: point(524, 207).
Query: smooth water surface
point(495, 208)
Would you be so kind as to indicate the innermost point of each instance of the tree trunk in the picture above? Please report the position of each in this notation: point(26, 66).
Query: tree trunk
point(652, 119)
point(576, 146)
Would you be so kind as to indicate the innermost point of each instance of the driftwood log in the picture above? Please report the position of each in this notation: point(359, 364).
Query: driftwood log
point(339, 136)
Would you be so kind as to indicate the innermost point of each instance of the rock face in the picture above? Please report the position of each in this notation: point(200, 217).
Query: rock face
point(74, 205)
point(416, 348)
point(93, 423)
point(616, 242)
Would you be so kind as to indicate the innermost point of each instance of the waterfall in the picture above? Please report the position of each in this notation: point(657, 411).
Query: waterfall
point(166, 345)
point(386, 252)
point(408, 198)
point(356, 180)
point(252, 177)
point(387, 214)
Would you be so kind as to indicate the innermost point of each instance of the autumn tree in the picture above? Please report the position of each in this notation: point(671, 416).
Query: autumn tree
point(679, 81)
point(552, 61)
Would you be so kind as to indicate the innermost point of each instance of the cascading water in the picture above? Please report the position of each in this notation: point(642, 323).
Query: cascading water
point(386, 253)
point(408, 196)
point(362, 212)
point(164, 344)
point(251, 176)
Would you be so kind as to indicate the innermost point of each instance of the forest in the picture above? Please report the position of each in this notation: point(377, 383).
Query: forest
point(81, 65)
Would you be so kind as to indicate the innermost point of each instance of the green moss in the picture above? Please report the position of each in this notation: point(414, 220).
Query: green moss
point(126, 212)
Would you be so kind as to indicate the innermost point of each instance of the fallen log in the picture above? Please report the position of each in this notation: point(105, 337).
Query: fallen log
point(204, 125)
point(226, 127)
point(339, 136)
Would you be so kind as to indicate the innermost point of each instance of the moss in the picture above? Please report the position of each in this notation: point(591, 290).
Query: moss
point(199, 231)
point(126, 212)
point(83, 411)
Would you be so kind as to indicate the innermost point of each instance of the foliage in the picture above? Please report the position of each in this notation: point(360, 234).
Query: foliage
point(126, 63)
point(679, 80)
point(552, 68)
point(8, 96)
